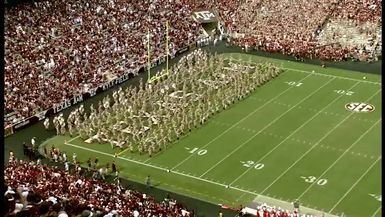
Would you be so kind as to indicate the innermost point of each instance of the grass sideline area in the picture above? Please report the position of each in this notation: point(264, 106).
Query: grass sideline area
point(291, 139)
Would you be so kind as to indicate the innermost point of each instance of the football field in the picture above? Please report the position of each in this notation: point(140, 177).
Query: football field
point(312, 134)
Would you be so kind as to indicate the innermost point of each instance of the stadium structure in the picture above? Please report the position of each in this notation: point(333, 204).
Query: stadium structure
point(193, 108)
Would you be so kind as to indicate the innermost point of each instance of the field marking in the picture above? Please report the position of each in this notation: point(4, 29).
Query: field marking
point(123, 151)
point(238, 122)
point(314, 73)
point(298, 140)
point(375, 213)
point(182, 174)
point(73, 139)
point(336, 76)
point(176, 187)
point(315, 145)
point(264, 128)
point(292, 133)
point(354, 185)
point(316, 110)
point(335, 162)
point(166, 170)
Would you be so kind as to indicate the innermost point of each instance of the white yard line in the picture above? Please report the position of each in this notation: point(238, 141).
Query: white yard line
point(335, 76)
point(375, 213)
point(159, 168)
point(264, 128)
point(335, 162)
point(294, 132)
point(315, 145)
point(314, 73)
point(179, 173)
point(354, 185)
point(73, 139)
point(122, 151)
point(238, 122)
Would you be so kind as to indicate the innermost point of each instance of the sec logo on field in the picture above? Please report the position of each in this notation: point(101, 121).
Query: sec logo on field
point(359, 107)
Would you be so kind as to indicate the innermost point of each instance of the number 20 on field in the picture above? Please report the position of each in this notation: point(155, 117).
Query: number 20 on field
point(250, 163)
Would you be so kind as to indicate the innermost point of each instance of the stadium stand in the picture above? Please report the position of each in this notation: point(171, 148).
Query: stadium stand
point(287, 33)
point(57, 49)
point(39, 190)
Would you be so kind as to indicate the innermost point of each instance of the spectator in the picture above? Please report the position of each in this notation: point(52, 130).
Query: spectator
point(56, 192)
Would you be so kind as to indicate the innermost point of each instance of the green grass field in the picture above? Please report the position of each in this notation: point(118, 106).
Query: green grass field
point(291, 139)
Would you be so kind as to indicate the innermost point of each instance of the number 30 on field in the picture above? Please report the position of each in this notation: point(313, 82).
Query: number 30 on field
point(312, 179)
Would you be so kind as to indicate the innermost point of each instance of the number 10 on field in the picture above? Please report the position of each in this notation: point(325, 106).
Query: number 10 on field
point(197, 150)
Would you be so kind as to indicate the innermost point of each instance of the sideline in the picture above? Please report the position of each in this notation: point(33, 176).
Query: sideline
point(185, 175)
point(314, 73)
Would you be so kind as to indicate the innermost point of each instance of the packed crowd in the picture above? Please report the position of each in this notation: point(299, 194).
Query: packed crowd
point(275, 26)
point(39, 190)
point(147, 118)
point(56, 49)
point(356, 26)
point(265, 210)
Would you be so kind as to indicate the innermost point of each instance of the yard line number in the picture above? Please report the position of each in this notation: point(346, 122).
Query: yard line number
point(251, 163)
point(311, 179)
point(377, 197)
point(344, 92)
point(198, 151)
point(294, 83)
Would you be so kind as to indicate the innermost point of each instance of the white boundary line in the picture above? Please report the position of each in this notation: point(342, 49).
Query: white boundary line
point(178, 173)
point(375, 213)
point(315, 145)
point(331, 166)
point(354, 185)
point(272, 122)
point(238, 122)
point(295, 131)
point(315, 73)
point(157, 167)
point(336, 76)
point(73, 139)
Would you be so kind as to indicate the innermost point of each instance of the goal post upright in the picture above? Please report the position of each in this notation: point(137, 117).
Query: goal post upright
point(167, 47)
point(148, 57)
